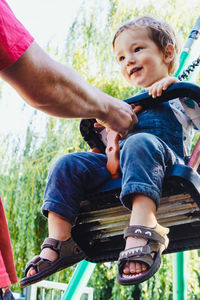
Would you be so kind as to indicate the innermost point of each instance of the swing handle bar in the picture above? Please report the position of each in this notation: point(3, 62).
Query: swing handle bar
point(176, 90)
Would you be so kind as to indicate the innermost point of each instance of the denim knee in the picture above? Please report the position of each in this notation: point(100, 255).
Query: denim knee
point(69, 179)
point(143, 161)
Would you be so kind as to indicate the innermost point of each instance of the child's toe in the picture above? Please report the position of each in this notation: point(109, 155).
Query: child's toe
point(144, 267)
point(138, 268)
point(126, 269)
point(31, 272)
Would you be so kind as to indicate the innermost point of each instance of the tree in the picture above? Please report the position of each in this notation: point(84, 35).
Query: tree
point(24, 169)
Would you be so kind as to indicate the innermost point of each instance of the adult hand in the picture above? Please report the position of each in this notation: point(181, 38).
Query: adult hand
point(120, 118)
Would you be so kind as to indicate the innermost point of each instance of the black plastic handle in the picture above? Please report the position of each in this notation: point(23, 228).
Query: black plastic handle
point(176, 90)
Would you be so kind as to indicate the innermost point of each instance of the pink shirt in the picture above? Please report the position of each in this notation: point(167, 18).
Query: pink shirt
point(7, 267)
point(14, 38)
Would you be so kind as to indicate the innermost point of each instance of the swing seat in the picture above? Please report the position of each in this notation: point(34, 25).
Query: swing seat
point(102, 219)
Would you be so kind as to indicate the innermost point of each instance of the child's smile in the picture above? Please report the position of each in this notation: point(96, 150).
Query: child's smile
point(135, 71)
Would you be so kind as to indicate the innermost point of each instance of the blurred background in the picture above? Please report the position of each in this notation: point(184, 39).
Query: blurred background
point(77, 34)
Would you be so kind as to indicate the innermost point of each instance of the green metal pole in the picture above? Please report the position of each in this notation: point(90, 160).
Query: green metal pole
point(79, 280)
point(179, 278)
point(185, 54)
point(179, 266)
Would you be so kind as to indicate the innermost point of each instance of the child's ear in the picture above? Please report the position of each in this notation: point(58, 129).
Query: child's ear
point(168, 53)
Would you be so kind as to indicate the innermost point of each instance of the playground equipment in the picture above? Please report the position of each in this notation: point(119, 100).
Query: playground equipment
point(102, 219)
point(181, 204)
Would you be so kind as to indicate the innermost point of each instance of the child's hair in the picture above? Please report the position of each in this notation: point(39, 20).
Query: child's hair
point(159, 31)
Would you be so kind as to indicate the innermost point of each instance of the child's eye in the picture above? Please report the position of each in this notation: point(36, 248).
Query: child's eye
point(138, 49)
point(121, 58)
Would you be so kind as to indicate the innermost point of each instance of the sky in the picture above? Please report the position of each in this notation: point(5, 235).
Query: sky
point(46, 20)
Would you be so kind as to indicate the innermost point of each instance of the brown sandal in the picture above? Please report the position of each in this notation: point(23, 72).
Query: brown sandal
point(157, 242)
point(68, 254)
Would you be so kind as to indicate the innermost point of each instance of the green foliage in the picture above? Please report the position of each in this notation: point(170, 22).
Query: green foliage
point(24, 169)
point(94, 43)
point(23, 184)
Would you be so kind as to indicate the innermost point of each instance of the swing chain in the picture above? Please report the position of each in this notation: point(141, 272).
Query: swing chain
point(189, 69)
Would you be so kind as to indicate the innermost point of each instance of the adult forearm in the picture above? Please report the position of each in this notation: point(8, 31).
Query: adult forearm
point(60, 91)
point(54, 88)
point(68, 95)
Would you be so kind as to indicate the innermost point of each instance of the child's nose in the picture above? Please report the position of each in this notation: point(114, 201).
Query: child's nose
point(130, 59)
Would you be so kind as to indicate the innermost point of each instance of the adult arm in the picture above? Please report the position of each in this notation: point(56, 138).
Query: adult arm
point(59, 91)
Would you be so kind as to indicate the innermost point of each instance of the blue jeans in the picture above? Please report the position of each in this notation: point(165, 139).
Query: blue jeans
point(143, 161)
point(155, 143)
point(7, 296)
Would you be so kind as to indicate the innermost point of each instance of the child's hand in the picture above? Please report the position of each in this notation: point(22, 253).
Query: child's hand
point(156, 89)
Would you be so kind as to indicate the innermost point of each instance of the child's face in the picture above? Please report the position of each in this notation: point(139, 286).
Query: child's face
point(142, 63)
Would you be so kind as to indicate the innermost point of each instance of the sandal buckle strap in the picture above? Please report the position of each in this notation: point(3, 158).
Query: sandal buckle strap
point(143, 232)
point(52, 244)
